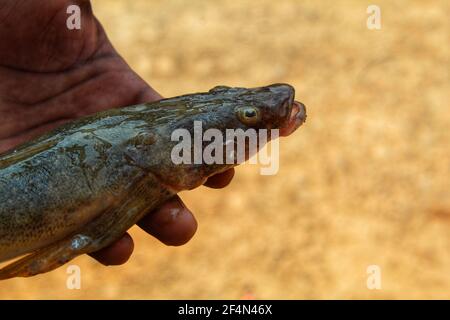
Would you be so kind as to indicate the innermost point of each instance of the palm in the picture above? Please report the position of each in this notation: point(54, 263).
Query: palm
point(51, 74)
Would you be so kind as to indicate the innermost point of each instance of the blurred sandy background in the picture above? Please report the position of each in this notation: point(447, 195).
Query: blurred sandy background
point(365, 181)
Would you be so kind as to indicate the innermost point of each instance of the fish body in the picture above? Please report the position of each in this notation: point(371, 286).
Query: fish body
point(78, 188)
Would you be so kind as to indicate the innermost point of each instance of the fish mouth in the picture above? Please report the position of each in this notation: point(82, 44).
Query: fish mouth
point(295, 119)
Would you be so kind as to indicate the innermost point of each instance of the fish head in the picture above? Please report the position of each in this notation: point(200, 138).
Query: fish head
point(195, 141)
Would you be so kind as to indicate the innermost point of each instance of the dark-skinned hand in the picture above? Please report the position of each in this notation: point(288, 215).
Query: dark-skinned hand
point(50, 75)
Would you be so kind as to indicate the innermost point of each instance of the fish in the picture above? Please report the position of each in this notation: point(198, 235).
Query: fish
point(78, 188)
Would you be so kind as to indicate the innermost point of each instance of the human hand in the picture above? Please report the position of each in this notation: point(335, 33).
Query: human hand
point(50, 75)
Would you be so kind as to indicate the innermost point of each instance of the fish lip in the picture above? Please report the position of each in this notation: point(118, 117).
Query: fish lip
point(297, 116)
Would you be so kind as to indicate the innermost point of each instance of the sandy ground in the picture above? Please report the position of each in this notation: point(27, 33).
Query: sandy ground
point(364, 182)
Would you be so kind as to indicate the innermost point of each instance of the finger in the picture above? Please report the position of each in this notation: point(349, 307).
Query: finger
point(116, 253)
point(220, 180)
point(172, 223)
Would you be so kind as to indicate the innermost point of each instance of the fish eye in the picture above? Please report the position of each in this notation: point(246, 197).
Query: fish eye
point(249, 115)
